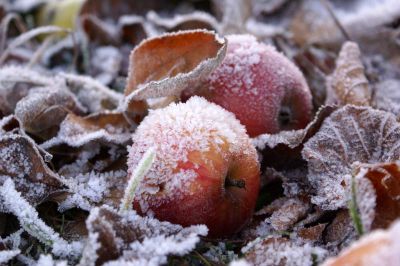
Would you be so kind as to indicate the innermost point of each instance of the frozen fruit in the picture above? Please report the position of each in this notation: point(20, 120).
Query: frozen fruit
point(206, 170)
point(262, 87)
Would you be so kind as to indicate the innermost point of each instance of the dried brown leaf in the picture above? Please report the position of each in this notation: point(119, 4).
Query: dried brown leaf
point(106, 127)
point(377, 248)
point(385, 178)
point(281, 251)
point(294, 138)
point(46, 107)
point(341, 230)
point(127, 237)
point(350, 134)
point(290, 212)
point(15, 83)
point(21, 160)
point(348, 84)
point(192, 21)
point(166, 65)
point(313, 233)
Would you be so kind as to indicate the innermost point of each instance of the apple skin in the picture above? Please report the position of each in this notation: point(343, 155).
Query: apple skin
point(217, 181)
point(262, 87)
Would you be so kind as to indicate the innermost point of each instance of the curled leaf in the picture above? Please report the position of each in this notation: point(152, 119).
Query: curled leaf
point(350, 134)
point(291, 211)
point(385, 179)
point(21, 160)
point(377, 248)
point(106, 127)
point(44, 108)
point(129, 238)
point(281, 251)
point(166, 65)
point(348, 84)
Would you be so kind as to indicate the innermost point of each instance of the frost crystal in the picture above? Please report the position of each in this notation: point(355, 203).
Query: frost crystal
point(351, 134)
point(31, 223)
point(280, 251)
point(6, 255)
point(129, 239)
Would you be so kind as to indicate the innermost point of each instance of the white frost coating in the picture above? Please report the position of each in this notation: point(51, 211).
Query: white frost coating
point(6, 255)
point(351, 134)
point(136, 177)
point(30, 221)
point(90, 92)
point(179, 19)
point(151, 243)
point(277, 251)
point(76, 135)
point(241, 262)
point(381, 247)
point(172, 86)
point(175, 131)
point(47, 260)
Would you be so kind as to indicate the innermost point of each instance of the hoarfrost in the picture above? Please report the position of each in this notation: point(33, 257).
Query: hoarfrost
point(128, 238)
point(351, 134)
point(32, 224)
point(7, 255)
point(106, 127)
point(280, 251)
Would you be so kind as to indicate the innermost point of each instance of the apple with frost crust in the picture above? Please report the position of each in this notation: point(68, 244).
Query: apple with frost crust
point(206, 170)
point(262, 87)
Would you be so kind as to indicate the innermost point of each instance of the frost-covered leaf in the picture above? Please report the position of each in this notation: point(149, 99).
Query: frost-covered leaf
point(313, 233)
point(348, 84)
point(293, 138)
point(281, 251)
point(387, 96)
point(350, 134)
point(131, 239)
point(168, 64)
point(105, 127)
point(291, 211)
point(194, 20)
point(340, 232)
point(91, 93)
point(15, 83)
point(7, 255)
point(385, 179)
point(20, 159)
point(377, 248)
point(10, 124)
point(235, 13)
point(46, 107)
point(32, 224)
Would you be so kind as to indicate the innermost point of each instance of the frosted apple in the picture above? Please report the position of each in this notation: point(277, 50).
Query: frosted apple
point(205, 171)
point(262, 87)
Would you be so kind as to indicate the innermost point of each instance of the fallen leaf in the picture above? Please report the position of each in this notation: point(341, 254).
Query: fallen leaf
point(106, 127)
point(350, 134)
point(168, 64)
point(348, 84)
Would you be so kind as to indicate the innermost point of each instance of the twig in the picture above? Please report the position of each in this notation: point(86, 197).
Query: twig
point(335, 19)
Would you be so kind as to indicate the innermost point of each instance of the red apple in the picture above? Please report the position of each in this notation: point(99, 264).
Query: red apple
point(206, 169)
point(262, 87)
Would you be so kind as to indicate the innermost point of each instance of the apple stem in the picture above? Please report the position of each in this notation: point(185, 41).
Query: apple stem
point(137, 175)
point(239, 183)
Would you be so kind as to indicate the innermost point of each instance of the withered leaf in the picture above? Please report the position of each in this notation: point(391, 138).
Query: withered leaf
point(294, 138)
point(45, 107)
point(21, 160)
point(194, 20)
point(385, 178)
point(348, 84)
point(106, 127)
point(15, 83)
point(313, 233)
point(291, 211)
point(281, 251)
point(350, 134)
point(387, 97)
point(128, 237)
point(168, 64)
point(377, 248)
point(92, 94)
point(341, 230)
